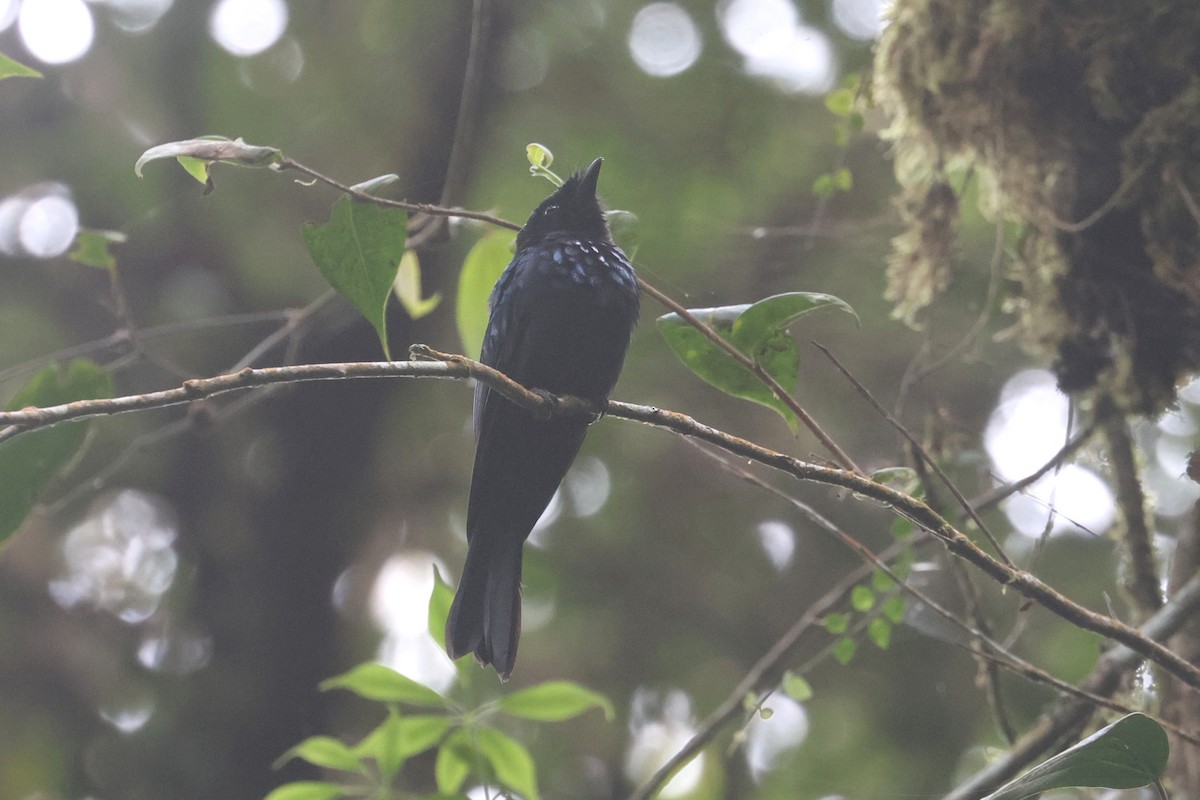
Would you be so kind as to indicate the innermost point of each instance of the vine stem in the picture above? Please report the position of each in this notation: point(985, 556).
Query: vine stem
point(433, 364)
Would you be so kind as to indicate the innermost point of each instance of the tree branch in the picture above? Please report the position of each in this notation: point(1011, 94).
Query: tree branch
point(460, 367)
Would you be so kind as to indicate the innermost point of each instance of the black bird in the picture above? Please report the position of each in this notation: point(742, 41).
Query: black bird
point(562, 313)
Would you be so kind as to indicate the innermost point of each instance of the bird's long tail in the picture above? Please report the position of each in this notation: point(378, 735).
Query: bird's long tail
point(486, 615)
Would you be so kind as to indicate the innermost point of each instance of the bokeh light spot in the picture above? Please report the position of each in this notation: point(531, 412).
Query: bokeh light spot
point(1028, 425)
point(589, 484)
point(757, 28)
point(768, 740)
point(400, 606)
point(664, 40)
point(1080, 501)
point(48, 226)
point(121, 557)
point(247, 27)
point(1026, 429)
point(137, 16)
point(660, 726)
point(8, 13)
point(778, 541)
point(56, 31)
point(860, 19)
point(775, 45)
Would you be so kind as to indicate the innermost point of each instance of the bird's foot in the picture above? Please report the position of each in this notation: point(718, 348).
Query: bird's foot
point(549, 403)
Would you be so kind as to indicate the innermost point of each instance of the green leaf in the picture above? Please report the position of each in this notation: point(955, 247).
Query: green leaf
point(539, 155)
point(771, 316)
point(323, 751)
point(197, 168)
point(844, 651)
point(209, 150)
point(840, 101)
point(836, 623)
point(306, 790)
point(902, 478)
point(540, 159)
point(626, 231)
point(881, 581)
point(91, 248)
point(374, 681)
point(440, 601)
point(398, 737)
point(483, 265)
point(510, 761)
point(760, 331)
point(717, 368)
point(862, 598)
point(901, 527)
point(453, 763)
point(843, 179)
point(15, 69)
point(879, 630)
point(384, 745)
point(1129, 753)
point(358, 251)
point(408, 287)
point(554, 701)
point(420, 732)
point(823, 186)
point(796, 687)
point(766, 713)
point(893, 609)
point(30, 460)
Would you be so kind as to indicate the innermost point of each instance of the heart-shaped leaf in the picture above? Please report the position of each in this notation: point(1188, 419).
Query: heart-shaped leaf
point(359, 251)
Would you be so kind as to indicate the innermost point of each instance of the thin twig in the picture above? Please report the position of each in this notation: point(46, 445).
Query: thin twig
point(920, 451)
point(997, 495)
point(1188, 199)
point(286, 163)
point(985, 313)
point(1107, 206)
point(293, 322)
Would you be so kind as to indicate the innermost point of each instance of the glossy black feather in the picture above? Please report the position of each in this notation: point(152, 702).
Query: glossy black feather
point(561, 317)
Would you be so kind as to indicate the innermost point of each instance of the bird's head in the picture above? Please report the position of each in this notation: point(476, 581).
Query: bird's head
point(572, 210)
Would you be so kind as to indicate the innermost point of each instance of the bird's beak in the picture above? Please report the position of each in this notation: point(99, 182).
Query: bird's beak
point(591, 176)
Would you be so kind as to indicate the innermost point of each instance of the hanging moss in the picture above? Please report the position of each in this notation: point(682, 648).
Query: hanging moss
point(1083, 121)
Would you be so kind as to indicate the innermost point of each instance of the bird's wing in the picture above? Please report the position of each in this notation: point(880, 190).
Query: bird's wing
point(503, 345)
